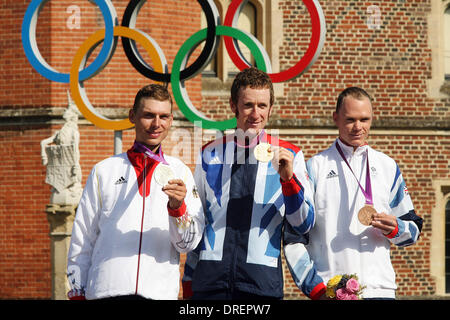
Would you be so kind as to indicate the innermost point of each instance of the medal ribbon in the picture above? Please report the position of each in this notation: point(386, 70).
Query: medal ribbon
point(368, 192)
point(252, 143)
point(142, 148)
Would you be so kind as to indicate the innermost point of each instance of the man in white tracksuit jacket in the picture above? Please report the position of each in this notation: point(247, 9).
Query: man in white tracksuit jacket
point(339, 243)
point(131, 223)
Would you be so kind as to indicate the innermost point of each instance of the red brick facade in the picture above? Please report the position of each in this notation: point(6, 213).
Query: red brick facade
point(393, 63)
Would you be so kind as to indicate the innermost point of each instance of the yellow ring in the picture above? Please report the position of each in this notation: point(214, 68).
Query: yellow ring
point(78, 93)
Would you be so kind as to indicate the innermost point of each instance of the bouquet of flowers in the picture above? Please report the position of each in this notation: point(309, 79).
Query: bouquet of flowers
point(344, 287)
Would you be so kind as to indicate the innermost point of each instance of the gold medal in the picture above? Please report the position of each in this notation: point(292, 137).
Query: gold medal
point(365, 215)
point(163, 173)
point(262, 152)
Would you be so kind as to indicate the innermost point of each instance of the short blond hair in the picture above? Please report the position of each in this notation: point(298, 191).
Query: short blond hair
point(354, 92)
point(152, 91)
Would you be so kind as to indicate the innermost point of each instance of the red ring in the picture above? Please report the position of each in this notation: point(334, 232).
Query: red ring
point(294, 70)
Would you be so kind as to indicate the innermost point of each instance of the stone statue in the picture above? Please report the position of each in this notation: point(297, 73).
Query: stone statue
point(61, 155)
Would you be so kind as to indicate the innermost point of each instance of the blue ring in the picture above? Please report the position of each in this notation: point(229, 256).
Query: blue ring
point(32, 54)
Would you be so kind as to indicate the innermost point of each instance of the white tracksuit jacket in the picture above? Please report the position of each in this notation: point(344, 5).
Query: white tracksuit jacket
point(124, 243)
point(339, 243)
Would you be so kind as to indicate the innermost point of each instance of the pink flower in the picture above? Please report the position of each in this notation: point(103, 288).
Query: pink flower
point(352, 285)
point(342, 294)
point(352, 297)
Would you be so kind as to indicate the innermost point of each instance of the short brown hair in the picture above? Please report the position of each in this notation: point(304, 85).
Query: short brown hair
point(253, 78)
point(152, 91)
point(354, 92)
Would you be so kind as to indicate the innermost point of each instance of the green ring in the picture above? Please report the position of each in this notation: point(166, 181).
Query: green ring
point(179, 91)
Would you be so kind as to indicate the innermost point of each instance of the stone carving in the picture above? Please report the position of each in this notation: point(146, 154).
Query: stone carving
point(61, 155)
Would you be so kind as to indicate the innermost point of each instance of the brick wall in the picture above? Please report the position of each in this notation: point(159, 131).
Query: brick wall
point(392, 63)
point(20, 85)
point(24, 242)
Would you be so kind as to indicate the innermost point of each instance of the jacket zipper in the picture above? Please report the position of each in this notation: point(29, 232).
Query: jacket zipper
point(142, 221)
point(232, 273)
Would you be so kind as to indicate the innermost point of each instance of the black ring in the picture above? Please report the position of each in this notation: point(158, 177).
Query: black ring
point(209, 50)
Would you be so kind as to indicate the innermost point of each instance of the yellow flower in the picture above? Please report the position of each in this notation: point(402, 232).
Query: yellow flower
point(333, 282)
point(330, 293)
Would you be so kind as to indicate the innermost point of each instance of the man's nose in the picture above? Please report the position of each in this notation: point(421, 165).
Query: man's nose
point(254, 112)
point(156, 122)
point(357, 126)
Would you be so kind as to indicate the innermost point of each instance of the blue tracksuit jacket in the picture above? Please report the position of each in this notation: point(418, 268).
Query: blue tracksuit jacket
point(249, 211)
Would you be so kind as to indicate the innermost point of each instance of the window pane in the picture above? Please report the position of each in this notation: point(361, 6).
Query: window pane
point(247, 22)
point(447, 265)
point(447, 283)
point(211, 69)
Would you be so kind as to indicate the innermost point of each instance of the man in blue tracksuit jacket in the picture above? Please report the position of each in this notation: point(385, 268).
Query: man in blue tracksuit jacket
point(251, 204)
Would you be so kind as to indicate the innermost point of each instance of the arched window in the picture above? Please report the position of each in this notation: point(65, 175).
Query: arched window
point(247, 22)
point(439, 42)
point(221, 65)
point(447, 246)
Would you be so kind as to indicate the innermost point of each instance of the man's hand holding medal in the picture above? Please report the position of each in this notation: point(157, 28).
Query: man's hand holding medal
point(176, 190)
point(282, 159)
point(367, 215)
point(385, 222)
point(173, 187)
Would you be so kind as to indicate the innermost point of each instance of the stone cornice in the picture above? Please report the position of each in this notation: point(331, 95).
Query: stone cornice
point(17, 116)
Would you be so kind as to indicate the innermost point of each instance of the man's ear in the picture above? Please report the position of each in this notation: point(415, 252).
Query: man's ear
point(233, 107)
point(335, 116)
point(131, 116)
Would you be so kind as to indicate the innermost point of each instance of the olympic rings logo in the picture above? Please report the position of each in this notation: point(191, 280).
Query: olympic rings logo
point(159, 71)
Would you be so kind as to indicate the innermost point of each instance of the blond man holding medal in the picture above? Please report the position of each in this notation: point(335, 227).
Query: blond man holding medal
point(138, 211)
point(362, 203)
point(255, 194)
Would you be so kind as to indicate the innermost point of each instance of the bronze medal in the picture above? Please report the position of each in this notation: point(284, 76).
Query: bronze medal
point(365, 215)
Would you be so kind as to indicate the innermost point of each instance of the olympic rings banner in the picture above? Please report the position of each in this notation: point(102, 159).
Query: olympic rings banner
point(159, 71)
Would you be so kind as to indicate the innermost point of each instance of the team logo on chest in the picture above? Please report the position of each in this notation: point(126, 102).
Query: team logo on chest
point(121, 180)
point(332, 174)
